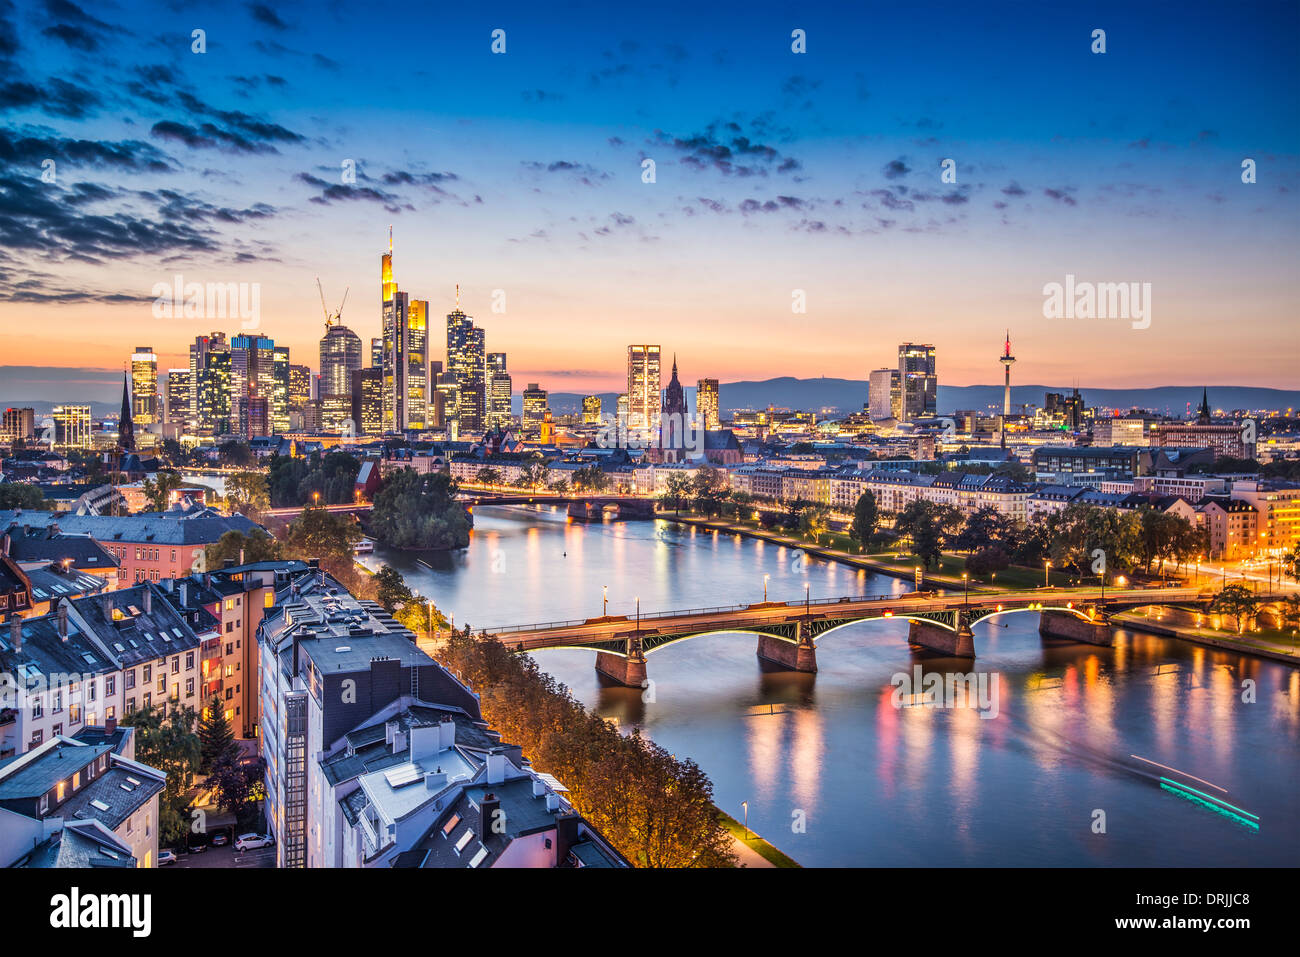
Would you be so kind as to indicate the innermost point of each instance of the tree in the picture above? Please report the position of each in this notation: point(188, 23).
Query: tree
point(814, 520)
point(1237, 601)
point(984, 525)
point(234, 782)
point(590, 478)
point(986, 561)
point(391, 588)
point(247, 494)
point(927, 525)
point(168, 742)
point(866, 518)
point(235, 454)
point(709, 489)
point(488, 476)
point(316, 533)
point(158, 491)
point(216, 736)
point(256, 546)
point(1291, 563)
point(22, 495)
point(678, 489)
point(420, 511)
point(419, 616)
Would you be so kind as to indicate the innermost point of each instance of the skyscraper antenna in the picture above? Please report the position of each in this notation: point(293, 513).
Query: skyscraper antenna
point(390, 239)
point(457, 295)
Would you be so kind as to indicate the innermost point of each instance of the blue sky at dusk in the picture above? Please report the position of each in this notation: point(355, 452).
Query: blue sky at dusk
point(775, 172)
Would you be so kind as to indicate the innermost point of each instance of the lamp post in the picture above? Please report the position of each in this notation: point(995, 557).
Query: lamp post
point(965, 590)
point(604, 601)
point(1047, 570)
point(745, 805)
point(638, 615)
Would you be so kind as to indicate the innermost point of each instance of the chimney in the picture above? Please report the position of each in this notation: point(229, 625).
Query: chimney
point(566, 835)
point(496, 766)
point(6, 543)
point(487, 814)
point(446, 733)
point(148, 599)
point(552, 801)
point(63, 619)
point(185, 592)
point(110, 725)
point(16, 632)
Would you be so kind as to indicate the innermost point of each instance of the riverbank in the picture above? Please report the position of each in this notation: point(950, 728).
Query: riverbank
point(1207, 636)
point(752, 850)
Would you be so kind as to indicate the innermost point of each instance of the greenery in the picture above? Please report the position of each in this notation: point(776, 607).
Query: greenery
point(656, 809)
point(256, 546)
point(22, 495)
point(157, 492)
point(987, 561)
point(928, 527)
point(488, 476)
point(297, 480)
point(236, 454)
point(216, 736)
point(247, 494)
point(170, 744)
point(409, 610)
point(420, 511)
point(1237, 601)
point(866, 518)
point(235, 782)
point(590, 478)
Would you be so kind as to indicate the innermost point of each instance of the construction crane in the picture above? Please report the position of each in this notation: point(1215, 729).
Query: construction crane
point(337, 317)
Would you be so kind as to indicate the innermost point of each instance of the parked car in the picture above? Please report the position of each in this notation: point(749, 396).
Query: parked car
point(248, 842)
point(198, 848)
point(220, 840)
point(166, 857)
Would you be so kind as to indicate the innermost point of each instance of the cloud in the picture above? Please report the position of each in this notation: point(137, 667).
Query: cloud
point(266, 16)
point(895, 169)
point(1061, 195)
point(584, 173)
point(730, 148)
point(1013, 189)
point(54, 96)
point(335, 192)
point(75, 28)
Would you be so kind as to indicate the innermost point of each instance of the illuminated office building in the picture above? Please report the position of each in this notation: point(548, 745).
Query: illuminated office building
point(884, 397)
point(144, 386)
point(591, 410)
point(536, 409)
point(340, 353)
point(918, 381)
point(405, 354)
point(210, 370)
point(71, 426)
point(642, 386)
point(500, 389)
point(180, 397)
point(467, 364)
point(706, 403)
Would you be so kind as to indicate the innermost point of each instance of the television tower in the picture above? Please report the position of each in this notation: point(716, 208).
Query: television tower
point(1007, 359)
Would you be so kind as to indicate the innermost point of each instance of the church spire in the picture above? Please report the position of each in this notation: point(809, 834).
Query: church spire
point(1203, 414)
point(125, 425)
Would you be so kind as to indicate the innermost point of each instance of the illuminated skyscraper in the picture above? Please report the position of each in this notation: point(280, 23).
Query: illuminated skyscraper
point(340, 353)
point(368, 401)
point(535, 410)
point(884, 396)
point(210, 370)
point(500, 388)
point(144, 386)
point(918, 381)
point(299, 387)
point(180, 397)
point(467, 364)
point(642, 387)
point(71, 426)
point(591, 410)
point(256, 371)
point(405, 359)
point(706, 403)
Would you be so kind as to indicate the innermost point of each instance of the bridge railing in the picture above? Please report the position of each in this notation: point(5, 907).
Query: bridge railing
point(1119, 597)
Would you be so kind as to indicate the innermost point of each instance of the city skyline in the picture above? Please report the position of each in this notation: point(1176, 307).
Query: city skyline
point(777, 174)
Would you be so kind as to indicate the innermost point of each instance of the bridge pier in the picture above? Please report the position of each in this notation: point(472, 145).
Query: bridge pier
point(958, 644)
point(627, 670)
point(1069, 626)
point(789, 655)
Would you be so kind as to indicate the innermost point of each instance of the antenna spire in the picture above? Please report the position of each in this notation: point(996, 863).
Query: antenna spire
point(390, 239)
point(457, 295)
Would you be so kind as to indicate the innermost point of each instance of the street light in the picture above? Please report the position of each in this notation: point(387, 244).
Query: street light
point(1047, 570)
point(638, 614)
point(604, 599)
point(745, 805)
point(965, 589)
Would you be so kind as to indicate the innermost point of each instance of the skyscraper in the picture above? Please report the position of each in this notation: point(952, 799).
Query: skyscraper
point(340, 353)
point(706, 403)
point(405, 360)
point(642, 387)
point(591, 410)
point(299, 387)
point(144, 386)
point(180, 397)
point(368, 401)
point(884, 396)
point(500, 389)
point(918, 381)
point(535, 409)
point(210, 370)
point(258, 370)
point(72, 425)
point(467, 365)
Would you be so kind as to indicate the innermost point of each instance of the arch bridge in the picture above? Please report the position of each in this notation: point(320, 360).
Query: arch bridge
point(788, 632)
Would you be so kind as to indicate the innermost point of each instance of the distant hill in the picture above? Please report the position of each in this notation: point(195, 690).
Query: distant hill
point(849, 395)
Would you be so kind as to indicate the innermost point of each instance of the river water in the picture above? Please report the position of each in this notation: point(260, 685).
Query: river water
point(1053, 768)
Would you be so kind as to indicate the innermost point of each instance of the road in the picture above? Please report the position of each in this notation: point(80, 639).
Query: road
point(228, 857)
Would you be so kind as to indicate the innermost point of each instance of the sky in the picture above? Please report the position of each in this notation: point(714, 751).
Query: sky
point(780, 177)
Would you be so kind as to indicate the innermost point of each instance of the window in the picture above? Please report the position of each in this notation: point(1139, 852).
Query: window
point(111, 712)
point(74, 714)
point(57, 705)
point(110, 685)
point(189, 687)
point(37, 737)
point(148, 699)
point(230, 693)
point(189, 661)
point(162, 681)
point(230, 604)
point(45, 798)
point(130, 680)
point(176, 664)
point(37, 708)
point(90, 691)
point(146, 673)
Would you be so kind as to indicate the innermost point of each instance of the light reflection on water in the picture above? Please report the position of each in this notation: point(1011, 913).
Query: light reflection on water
point(878, 785)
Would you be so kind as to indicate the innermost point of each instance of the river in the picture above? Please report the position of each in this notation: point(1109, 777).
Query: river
point(835, 774)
